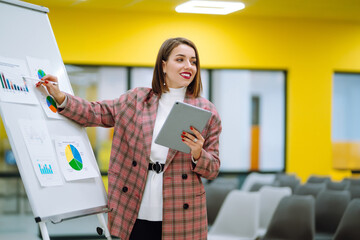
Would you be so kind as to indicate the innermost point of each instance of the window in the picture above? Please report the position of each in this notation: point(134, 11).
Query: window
point(345, 127)
point(251, 105)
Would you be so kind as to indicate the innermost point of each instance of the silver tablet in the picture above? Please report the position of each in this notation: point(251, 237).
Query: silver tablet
point(180, 118)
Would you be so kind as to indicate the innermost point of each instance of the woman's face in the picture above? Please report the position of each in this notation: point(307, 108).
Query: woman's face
point(180, 68)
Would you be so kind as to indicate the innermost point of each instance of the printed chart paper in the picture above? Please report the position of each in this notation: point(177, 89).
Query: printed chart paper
point(74, 161)
point(39, 68)
point(41, 151)
point(13, 88)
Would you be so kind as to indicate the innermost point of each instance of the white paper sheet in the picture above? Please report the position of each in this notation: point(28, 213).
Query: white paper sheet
point(75, 162)
point(13, 88)
point(41, 151)
point(38, 69)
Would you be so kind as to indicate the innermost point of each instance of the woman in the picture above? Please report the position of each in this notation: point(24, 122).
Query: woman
point(154, 192)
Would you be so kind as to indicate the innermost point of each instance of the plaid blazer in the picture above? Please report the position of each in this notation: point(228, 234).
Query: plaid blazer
point(133, 118)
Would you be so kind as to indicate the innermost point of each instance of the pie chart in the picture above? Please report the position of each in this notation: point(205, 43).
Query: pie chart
point(73, 157)
point(41, 73)
point(51, 104)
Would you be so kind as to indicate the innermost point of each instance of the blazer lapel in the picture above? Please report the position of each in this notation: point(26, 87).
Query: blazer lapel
point(148, 121)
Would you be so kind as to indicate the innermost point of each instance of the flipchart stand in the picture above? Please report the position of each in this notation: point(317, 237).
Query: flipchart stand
point(71, 199)
point(103, 229)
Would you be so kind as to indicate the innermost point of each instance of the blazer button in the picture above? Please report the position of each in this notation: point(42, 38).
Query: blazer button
point(184, 176)
point(186, 206)
point(124, 189)
point(134, 163)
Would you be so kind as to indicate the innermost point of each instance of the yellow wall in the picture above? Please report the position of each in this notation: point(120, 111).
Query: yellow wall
point(310, 50)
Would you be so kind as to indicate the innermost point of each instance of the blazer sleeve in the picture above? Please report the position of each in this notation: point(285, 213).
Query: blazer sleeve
point(90, 114)
point(208, 165)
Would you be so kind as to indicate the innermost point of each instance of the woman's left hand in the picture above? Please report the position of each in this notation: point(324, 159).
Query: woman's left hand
point(194, 141)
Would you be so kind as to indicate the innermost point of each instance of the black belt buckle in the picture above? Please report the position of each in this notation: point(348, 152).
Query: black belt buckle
point(157, 167)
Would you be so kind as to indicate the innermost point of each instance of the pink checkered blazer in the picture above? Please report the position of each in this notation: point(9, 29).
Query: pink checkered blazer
point(133, 118)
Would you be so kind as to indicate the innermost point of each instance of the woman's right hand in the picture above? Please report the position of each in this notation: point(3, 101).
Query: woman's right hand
point(53, 89)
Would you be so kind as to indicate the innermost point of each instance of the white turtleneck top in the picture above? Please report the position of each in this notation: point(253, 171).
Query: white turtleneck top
point(152, 200)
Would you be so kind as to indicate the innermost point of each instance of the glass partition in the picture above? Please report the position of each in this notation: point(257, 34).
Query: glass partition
point(252, 107)
point(345, 127)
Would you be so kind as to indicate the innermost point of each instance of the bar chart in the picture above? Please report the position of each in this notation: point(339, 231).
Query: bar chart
point(13, 87)
point(46, 169)
point(9, 85)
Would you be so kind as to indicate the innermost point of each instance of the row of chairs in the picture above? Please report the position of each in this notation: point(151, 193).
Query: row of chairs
point(217, 190)
point(254, 181)
point(327, 207)
point(246, 214)
point(314, 183)
point(294, 220)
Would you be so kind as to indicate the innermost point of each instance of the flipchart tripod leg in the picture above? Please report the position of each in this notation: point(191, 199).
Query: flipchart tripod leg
point(104, 226)
point(44, 231)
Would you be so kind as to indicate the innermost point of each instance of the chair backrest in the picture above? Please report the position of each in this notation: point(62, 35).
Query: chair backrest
point(287, 180)
point(329, 208)
point(269, 200)
point(254, 177)
point(215, 196)
point(238, 216)
point(349, 226)
point(353, 181)
point(331, 185)
point(257, 186)
point(354, 191)
point(318, 179)
point(293, 219)
point(231, 182)
point(310, 189)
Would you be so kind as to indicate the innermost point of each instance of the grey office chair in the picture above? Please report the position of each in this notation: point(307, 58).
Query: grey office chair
point(293, 219)
point(318, 179)
point(354, 191)
point(329, 208)
point(215, 196)
point(331, 185)
point(353, 181)
point(257, 178)
point(287, 180)
point(349, 226)
point(312, 189)
point(238, 217)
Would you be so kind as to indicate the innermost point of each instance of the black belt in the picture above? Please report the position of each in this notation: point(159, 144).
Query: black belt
point(156, 167)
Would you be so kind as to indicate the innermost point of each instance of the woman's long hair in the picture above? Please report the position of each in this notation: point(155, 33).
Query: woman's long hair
point(158, 81)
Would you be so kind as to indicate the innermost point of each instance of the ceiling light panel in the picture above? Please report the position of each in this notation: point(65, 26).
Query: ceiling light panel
point(209, 7)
